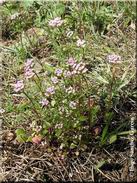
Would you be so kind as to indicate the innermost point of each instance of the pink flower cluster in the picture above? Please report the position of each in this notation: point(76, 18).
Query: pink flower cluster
point(58, 72)
point(114, 59)
point(19, 85)
point(50, 91)
point(44, 102)
point(67, 74)
point(79, 68)
point(57, 22)
point(75, 68)
point(28, 64)
point(71, 61)
point(54, 80)
point(28, 71)
point(2, 1)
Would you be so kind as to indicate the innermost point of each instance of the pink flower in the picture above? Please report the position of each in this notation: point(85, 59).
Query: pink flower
point(28, 69)
point(67, 74)
point(74, 72)
point(19, 85)
point(2, 1)
point(114, 58)
point(58, 72)
point(81, 43)
point(71, 61)
point(72, 105)
point(28, 64)
point(79, 68)
point(50, 91)
point(44, 102)
point(57, 22)
point(54, 80)
point(29, 73)
point(74, 66)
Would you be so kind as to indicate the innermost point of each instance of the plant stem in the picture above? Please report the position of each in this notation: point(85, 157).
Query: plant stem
point(31, 100)
point(111, 87)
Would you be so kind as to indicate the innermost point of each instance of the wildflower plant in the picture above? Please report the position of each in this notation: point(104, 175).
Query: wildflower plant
point(60, 101)
point(65, 102)
point(65, 98)
point(60, 95)
point(111, 78)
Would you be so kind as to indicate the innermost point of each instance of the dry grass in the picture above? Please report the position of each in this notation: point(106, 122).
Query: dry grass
point(28, 162)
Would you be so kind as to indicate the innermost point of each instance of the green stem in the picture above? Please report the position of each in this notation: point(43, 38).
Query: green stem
point(86, 81)
point(111, 87)
point(89, 112)
point(39, 86)
point(31, 100)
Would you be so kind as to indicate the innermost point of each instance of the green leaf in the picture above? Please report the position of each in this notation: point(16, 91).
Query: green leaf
point(20, 131)
point(21, 135)
point(44, 131)
point(29, 139)
point(21, 139)
point(123, 84)
point(53, 102)
point(104, 133)
point(124, 75)
point(101, 79)
point(60, 8)
point(58, 132)
point(108, 117)
point(22, 107)
point(83, 118)
point(49, 68)
point(72, 146)
point(126, 81)
point(27, 3)
point(127, 132)
point(100, 164)
point(46, 125)
point(112, 139)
